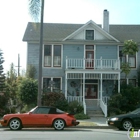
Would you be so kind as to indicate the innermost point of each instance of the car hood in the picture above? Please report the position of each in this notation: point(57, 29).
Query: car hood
point(122, 115)
point(15, 114)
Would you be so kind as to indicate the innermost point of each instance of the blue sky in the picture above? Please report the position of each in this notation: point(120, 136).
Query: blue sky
point(14, 18)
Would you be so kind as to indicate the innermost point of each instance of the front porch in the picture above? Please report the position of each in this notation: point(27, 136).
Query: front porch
point(91, 81)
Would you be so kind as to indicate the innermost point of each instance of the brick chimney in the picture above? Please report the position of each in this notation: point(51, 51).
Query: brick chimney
point(106, 20)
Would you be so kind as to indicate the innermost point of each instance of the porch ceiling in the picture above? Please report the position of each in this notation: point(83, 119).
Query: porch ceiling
point(105, 76)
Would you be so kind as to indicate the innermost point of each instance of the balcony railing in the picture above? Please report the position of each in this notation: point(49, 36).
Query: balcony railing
point(73, 63)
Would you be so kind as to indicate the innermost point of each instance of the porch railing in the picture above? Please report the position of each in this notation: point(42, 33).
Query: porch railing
point(103, 107)
point(73, 63)
point(73, 98)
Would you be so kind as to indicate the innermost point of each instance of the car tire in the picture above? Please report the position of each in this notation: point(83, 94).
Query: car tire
point(127, 124)
point(15, 124)
point(59, 124)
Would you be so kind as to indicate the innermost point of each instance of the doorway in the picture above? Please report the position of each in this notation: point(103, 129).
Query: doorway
point(91, 91)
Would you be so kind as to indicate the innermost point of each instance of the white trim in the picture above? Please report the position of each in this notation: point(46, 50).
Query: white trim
point(52, 79)
point(96, 26)
point(52, 57)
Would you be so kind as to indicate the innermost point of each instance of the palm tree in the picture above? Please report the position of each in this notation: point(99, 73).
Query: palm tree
point(35, 7)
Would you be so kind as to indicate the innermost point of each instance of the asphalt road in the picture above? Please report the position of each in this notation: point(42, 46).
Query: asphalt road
point(67, 134)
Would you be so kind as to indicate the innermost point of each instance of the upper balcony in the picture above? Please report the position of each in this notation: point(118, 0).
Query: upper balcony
point(96, 64)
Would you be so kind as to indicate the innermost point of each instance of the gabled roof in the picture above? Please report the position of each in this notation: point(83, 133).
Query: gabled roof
point(59, 32)
point(95, 26)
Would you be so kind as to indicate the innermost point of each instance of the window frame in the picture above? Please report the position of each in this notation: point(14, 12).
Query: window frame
point(51, 78)
point(87, 37)
point(52, 56)
point(126, 57)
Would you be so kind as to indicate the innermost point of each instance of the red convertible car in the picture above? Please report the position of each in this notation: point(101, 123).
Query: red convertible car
point(40, 117)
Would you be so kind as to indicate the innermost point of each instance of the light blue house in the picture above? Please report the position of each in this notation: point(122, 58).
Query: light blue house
point(83, 60)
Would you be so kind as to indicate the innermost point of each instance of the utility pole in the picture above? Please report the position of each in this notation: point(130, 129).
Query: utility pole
point(18, 65)
point(40, 56)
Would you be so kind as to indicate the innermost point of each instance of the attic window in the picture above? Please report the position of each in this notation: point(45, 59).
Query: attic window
point(89, 35)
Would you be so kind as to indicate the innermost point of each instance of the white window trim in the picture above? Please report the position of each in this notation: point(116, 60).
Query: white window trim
point(127, 58)
point(52, 79)
point(85, 33)
point(52, 57)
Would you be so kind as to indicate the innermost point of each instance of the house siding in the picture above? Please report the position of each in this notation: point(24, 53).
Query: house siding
point(106, 52)
point(33, 55)
point(72, 51)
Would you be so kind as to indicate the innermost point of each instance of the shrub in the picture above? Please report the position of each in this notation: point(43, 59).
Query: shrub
point(75, 107)
point(81, 116)
point(62, 104)
point(54, 99)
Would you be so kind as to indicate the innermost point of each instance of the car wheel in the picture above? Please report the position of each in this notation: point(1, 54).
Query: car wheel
point(59, 124)
point(15, 124)
point(127, 124)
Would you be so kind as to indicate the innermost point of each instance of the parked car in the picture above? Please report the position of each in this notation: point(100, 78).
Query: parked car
point(126, 121)
point(42, 116)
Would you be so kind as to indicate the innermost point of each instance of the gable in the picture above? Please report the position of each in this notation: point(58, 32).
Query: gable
point(99, 33)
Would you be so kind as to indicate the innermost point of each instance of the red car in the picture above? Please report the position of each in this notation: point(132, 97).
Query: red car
point(40, 117)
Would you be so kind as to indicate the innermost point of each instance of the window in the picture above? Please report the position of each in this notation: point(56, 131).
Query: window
point(52, 84)
point(52, 55)
point(57, 56)
point(89, 35)
point(47, 55)
point(41, 110)
point(131, 59)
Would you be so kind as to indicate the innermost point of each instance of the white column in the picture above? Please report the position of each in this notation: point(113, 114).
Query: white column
point(84, 104)
point(119, 83)
point(101, 87)
point(66, 80)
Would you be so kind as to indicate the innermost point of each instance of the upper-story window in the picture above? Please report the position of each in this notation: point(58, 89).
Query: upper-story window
point(131, 59)
point(52, 55)
point(89, 35)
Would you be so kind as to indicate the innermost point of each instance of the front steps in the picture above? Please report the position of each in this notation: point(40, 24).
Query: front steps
point(93, 108)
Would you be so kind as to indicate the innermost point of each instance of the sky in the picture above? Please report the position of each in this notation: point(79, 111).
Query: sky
point(15, 16)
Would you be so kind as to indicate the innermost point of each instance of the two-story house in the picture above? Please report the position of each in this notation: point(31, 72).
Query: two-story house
point(83, 60)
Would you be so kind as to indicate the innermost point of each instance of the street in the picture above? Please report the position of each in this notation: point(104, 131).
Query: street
point(67, 134)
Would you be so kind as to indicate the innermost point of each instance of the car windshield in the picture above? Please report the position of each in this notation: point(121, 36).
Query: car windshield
point(135, 111)
point(33, 109)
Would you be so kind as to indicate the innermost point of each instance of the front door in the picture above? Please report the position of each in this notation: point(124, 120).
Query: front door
point(91, 91)
point(89, 59)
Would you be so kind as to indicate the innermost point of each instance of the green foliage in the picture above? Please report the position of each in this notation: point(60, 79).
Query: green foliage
point(2, 75)
point(138, 76)
point(130, 47)
point(52, 98)
point(62, 104)
point(31, 71)
point(28, 90)
point(75, 107)
point(125, 101)
point(125, 68)
point(81, 116)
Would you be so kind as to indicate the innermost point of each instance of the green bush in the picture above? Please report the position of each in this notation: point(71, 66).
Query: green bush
point(81, 116)
point(75, 107)
point(54, 99)
point(62, 104)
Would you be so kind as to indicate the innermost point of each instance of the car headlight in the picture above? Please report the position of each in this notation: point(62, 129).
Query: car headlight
point(114, 119)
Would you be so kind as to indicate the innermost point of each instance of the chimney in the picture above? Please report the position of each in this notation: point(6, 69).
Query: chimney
point(106, 20)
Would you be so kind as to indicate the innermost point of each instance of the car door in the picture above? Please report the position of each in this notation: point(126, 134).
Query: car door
point(38, 117)
point(137, 119)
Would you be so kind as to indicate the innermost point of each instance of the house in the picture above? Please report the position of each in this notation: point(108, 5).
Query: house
point(83, 60)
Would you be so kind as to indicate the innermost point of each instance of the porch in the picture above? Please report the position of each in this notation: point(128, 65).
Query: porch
point(100, 64)
point(88, 86)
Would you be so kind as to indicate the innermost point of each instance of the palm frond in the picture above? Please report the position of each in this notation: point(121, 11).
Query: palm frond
point(35, 9)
